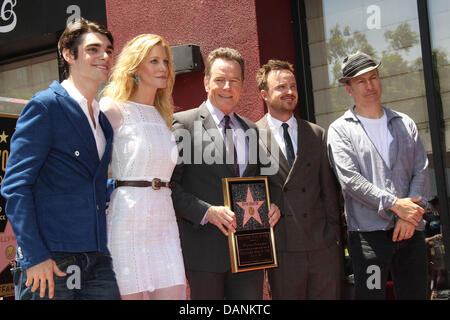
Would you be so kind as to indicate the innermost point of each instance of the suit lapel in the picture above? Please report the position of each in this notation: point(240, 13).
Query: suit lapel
point(278, 156)
point(107, 131)
point(210, 127)
point(251, 168)
point(77, 117)
point(303, 147)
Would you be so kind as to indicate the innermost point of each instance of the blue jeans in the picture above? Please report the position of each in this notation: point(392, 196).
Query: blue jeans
point(89, 277)
point(374, 255)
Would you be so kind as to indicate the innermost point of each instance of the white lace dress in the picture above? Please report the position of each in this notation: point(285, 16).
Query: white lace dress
point(142, 230)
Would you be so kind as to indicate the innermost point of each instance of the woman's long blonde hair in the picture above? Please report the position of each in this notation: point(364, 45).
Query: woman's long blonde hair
point(123, 84)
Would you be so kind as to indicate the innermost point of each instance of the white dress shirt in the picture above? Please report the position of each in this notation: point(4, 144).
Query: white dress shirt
point(277, 131)
point(97, 131)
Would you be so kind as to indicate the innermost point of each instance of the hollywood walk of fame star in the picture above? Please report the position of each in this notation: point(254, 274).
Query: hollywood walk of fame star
point(3, 137)
point(250, 207)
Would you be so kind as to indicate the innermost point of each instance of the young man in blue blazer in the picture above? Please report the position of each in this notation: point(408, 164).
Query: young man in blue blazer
point(56, 177)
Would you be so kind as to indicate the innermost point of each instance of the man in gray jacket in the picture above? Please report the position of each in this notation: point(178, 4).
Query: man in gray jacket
point(381, 165)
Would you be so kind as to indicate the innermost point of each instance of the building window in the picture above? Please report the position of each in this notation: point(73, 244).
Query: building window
point(439, 17)
point(19, 81)
point(386, 32)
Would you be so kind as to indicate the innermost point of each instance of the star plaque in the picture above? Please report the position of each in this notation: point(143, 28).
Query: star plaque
point(252, 246)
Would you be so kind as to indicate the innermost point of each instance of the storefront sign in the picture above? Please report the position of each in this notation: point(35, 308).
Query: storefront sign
point(30, 25)
point(8, 16)
point(20, 19)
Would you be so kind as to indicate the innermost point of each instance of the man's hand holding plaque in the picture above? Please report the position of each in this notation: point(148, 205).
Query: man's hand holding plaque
point(223, 218)
point(274, 214)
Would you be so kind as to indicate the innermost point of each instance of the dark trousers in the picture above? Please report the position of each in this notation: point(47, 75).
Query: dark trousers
point(308, 275)
point(374, 255)
point(89, 277)
point(226, 285)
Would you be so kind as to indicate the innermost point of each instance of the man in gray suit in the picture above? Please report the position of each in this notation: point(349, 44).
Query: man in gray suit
point(305, 189)
point(204, 160)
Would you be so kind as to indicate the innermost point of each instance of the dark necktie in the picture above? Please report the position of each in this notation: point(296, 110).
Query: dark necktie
point(288, 142)
point(229, 141)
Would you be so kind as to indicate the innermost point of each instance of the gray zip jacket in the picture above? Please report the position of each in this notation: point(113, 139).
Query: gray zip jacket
point(370, 188)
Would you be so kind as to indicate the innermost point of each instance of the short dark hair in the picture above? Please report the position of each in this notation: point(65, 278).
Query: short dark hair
point(224, 53)
point(71, 38)
point(263, 72)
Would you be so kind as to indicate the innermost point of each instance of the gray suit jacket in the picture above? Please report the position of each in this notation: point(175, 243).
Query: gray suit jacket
point(306, 194)
point(199, 186)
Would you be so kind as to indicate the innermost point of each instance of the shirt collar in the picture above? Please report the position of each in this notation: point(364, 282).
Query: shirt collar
point(390, 114)
point(217, 114)
point(275, 124)
point(75, 94)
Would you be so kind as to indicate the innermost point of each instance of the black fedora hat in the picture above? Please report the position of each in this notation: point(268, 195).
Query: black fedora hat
point(357, 64)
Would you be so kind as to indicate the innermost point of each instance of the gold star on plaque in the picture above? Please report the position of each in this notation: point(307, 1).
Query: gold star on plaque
point(3, 137)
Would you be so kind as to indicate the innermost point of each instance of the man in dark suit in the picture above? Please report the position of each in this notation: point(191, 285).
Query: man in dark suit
point(56, 175)
point(305, 190)
point(198, 197)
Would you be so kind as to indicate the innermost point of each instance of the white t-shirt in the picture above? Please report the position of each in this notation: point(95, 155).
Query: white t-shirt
point(379, 134)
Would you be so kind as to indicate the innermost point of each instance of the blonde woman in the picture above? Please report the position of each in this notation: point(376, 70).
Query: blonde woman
point(142, 230)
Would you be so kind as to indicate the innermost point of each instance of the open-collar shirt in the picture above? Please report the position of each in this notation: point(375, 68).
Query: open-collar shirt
point(97, 131)
point(371, 187)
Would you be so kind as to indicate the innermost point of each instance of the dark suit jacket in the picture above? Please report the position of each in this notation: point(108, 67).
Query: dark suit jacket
point(199, 186)
point(306, 194)
point(55, 184)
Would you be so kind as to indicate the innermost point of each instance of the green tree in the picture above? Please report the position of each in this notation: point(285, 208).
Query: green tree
point(345, 42)
point(402, 38)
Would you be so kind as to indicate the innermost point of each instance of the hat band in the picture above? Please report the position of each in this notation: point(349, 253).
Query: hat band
point(350, 73)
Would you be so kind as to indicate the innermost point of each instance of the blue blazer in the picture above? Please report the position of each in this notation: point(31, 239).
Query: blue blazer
point(55, 185)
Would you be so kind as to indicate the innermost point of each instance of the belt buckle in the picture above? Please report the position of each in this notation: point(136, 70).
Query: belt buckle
point(156, 184)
